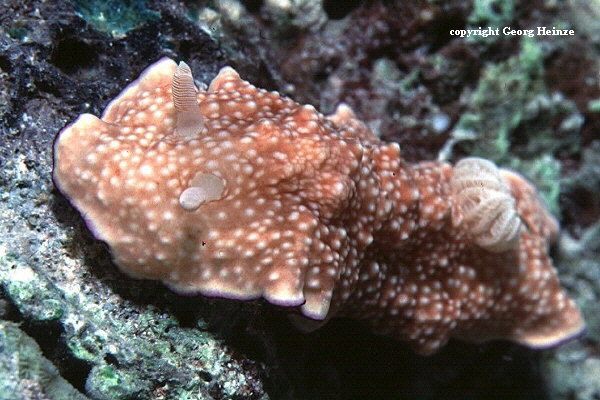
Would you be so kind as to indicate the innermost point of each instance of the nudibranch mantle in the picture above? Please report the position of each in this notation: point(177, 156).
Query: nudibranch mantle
point(241, 193)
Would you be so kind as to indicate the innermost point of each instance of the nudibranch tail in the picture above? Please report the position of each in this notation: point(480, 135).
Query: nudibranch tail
point(189, 121)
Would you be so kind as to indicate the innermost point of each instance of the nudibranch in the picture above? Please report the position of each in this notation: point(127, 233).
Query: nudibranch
point(241, 193)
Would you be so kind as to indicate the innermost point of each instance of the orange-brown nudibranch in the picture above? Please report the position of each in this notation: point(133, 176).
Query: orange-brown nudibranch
point(241, 193)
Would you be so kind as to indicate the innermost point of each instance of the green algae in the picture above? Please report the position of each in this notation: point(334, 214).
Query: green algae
point(32, 294)
point(132, 351)
point(594, 106)
point(106, 382)
point(17, 32)
point(545, 172)
point(115, 17)
point(497, 105)
point(495, 14)
point(511, 118)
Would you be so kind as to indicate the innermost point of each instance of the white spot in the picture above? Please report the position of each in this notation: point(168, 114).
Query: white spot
point(273, 276)
point(146, 170)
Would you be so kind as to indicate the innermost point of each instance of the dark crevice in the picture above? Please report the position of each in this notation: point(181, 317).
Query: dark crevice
point(253, 6)
point(49, 335)
point(250, 346)
point(205, 376)
point(111, 360)
point(5, 64)
point(440, 30)
point(348, 362)
point(336, 9)
point(72, 54)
